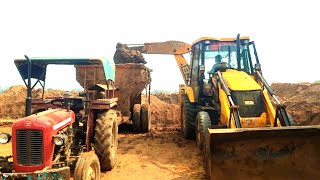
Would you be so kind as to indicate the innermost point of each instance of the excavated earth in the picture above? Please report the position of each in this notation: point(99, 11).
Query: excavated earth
point(163, 153)
point(302, 101)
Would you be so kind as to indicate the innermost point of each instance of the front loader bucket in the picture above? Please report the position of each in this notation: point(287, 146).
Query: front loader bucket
point(263, 153)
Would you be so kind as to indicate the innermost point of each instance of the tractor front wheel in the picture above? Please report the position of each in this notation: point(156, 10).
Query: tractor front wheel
point(106, 139)
point(87, 167)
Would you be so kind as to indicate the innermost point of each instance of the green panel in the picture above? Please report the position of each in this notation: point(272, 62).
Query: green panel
point(109, 69)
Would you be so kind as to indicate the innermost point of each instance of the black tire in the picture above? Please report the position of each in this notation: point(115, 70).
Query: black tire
point(87, 167)
point(106, 139)
point(203, 123)
point(187, 118)
point(145, 118)
point(136, 118)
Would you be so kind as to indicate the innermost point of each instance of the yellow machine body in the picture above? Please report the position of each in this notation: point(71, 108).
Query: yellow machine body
point(250, 141)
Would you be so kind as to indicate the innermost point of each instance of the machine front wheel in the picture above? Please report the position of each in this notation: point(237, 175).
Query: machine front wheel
point(87, 167)
point(203, 123)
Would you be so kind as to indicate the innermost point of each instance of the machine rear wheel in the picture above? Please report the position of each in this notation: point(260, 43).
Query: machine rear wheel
point(203, 123)
point(87, 167)
point(145, 118)
point(136, 118)
point(187, 118)
point(106, 139)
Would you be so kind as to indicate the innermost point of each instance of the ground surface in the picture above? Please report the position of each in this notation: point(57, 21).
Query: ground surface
point(160, 154)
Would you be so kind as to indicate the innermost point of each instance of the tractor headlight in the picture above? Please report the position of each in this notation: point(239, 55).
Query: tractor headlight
point(5, 138)
point(58, 140)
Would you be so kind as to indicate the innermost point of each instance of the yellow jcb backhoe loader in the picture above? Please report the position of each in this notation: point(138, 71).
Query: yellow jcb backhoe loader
point(225, 103)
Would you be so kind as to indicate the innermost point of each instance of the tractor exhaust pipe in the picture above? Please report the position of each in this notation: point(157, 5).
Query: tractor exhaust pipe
point(29, 96)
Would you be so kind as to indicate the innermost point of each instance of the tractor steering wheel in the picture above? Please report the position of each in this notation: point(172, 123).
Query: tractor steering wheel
point(57, 102)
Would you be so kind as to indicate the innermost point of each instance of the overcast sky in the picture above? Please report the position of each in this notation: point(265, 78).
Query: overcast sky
point(286, 33)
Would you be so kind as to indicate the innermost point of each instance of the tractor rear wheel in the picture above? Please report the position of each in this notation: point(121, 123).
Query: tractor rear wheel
point(136, 117)
point(203, 123)
point(87, 167)
point(145, 118)
point(106, 139)
point(187, 118)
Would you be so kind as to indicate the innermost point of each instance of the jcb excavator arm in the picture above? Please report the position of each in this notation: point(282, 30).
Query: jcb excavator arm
point(176, 48)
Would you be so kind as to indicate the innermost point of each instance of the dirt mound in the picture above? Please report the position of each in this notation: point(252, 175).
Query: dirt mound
point(124, 54)
point(168, 98)
point(302, 101)
point(164, 114)
point(12, 101)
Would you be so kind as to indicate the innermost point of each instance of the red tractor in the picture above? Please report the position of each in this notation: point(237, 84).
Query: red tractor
point(57, 138)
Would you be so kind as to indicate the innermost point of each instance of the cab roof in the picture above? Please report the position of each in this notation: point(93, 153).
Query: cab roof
point(39, 66)
point(219, 39)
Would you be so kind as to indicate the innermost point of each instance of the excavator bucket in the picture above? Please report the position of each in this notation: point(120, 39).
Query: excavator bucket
point(263, 153)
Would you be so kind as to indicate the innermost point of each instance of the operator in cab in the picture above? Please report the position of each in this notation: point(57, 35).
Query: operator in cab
point(215, 67)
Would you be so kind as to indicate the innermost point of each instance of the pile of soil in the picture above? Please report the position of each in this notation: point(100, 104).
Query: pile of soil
point(168, 98)
point(12, 101)
point(124, 54)
point(165, 115)
point(302, 101)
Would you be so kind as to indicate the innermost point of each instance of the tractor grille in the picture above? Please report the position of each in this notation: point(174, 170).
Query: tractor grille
point(29, 147)
point(250, 103)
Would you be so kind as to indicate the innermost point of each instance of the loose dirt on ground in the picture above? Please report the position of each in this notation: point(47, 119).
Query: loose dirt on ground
point(157, 155)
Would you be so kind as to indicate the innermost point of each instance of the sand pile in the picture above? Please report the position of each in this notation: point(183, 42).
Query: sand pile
point(12, 101)
point(163, 113)
point(302, 100)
